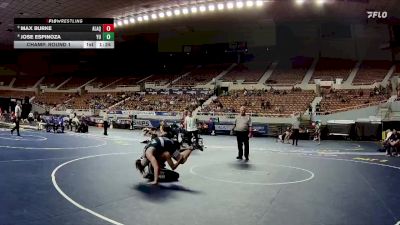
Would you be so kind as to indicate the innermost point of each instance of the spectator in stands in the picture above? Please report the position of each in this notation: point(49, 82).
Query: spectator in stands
point(317, 133)
point(288, 133)
point(184, 114)
point(30, 118)
point(49, 123)
point(393, 143)
point(71, 118)
point(18, 112)
point(5, 116)
point(284, 138)
point(242, 128)
point(41, 123)
point(385, 142)
point(318, 107)
point(263, 105)
point(83, 126)
point(211, 127)
point(75, 122)
point(59, 123)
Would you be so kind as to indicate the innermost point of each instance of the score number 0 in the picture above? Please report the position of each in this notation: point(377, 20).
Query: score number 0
point(108, 30)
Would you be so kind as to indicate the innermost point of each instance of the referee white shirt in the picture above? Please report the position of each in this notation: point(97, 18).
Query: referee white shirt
point(191, 124)
point(18, 111)
point(296, 122)
point(105, 117)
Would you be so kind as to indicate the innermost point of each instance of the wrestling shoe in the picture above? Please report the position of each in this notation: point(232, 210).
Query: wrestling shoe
point(148, 176)
point(199, 147)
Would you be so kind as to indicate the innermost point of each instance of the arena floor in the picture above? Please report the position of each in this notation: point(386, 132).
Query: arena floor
point(70, 178)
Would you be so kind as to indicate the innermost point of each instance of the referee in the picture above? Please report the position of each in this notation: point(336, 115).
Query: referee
point(105, 122)
point(295, 127)
point(242, 129)
point(18, 112)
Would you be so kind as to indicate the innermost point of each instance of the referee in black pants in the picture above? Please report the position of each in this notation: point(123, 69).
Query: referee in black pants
point(295, 128)
point(242, 129)
point(18, 113)
point(105, 122)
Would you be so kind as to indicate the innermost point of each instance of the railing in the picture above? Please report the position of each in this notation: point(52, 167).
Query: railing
point(363, 83)
point(232, 115)
point(351, 108)
point(144, 113)
point(250, 82)
point(127, 85)
point(157, 83)
point(183, 85)
point(285, 84)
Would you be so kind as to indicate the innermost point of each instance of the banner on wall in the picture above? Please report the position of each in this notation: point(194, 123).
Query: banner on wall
point(165, 113)
point(141, 113)
point(142, 123)
point(259, 129)
point(130, 112)
point(223, 127)
point(119, 112)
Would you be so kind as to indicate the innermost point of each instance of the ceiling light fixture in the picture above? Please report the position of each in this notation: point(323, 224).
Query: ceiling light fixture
point(211, 7)
point(202, 8)
point(249, 3)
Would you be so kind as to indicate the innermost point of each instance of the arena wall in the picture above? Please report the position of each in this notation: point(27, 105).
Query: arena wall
point(363, 113)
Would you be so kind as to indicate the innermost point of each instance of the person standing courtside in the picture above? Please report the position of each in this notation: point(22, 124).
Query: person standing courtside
point(242, 129)
point(105, 122)
point(190, 125)
point(295, 128)
point(18, 113)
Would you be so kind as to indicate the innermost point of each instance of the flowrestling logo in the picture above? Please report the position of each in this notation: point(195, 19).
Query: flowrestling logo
point(377, 14)
point(142, 123)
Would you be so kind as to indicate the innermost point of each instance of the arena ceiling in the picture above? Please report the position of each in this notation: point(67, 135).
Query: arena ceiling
point(273, 10)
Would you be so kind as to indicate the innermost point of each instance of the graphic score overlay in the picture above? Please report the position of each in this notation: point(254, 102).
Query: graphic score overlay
point(83, 33)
